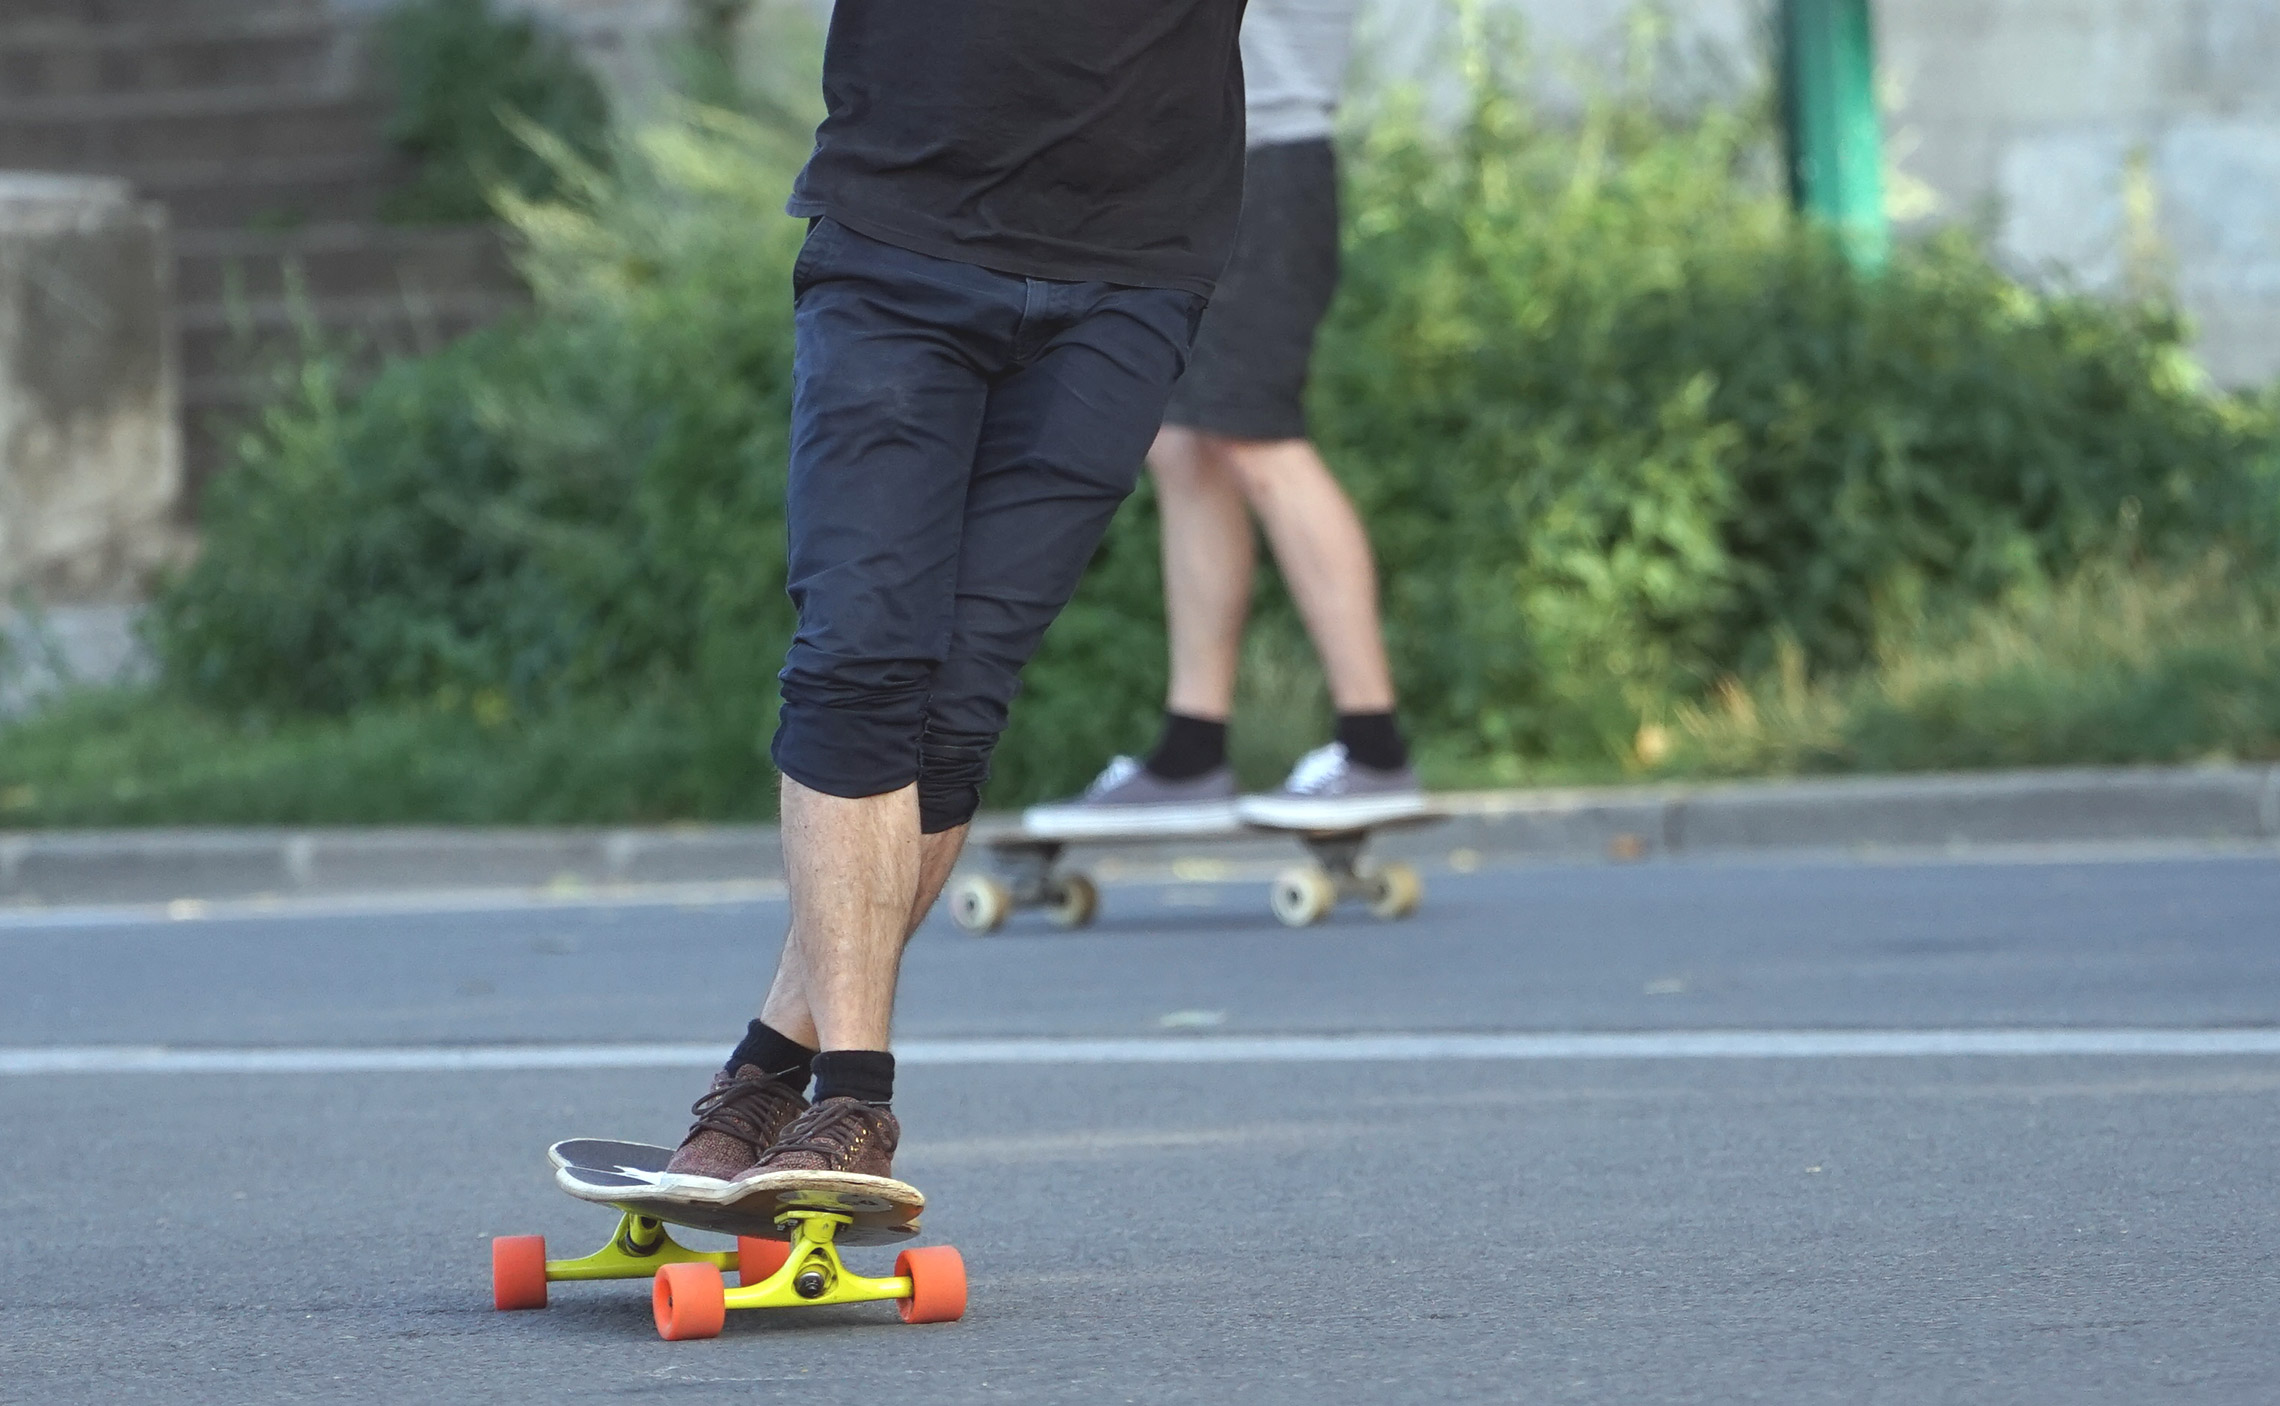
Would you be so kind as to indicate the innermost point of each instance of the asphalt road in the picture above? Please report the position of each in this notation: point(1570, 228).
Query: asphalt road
point(1934, 1229)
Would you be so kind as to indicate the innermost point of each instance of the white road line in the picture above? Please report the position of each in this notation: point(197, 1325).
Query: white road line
point(410, 903)
point(1210, 1049)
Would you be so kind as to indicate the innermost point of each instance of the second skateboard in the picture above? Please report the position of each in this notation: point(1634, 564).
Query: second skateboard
point(1027, 872)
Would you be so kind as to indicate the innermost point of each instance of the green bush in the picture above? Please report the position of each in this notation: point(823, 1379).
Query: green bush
point(578, 509)
point(1619, 426)
point(1621, 431)
point(463, 74)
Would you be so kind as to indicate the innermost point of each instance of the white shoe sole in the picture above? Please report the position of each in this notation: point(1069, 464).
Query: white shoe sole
point(1329, 812)
point(1079, 822)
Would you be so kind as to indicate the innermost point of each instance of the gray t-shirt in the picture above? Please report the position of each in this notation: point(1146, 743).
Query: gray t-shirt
point(1294, 67)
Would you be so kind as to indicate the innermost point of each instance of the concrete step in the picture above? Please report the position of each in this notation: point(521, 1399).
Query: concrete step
point(207, 437)
point(290, 52)
point(36, 16)
point(232, 368)
point(269, 194)
point(226, 349)
point(112, 132)
point(339, 261)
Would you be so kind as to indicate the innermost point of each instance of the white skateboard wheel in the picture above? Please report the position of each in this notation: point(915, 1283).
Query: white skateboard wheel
point(1076, 901)
point(1303, 897)
point(979, 903)
point(1395, 890)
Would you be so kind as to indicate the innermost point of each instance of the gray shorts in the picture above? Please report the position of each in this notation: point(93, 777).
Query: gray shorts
point(1247, 378)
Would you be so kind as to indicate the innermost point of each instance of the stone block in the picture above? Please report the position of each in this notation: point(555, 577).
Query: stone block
point(50, 648)
point(2235, 53)
point(2219, 185)
point(2024, 62)
point(90, 452)
point(2061, 198)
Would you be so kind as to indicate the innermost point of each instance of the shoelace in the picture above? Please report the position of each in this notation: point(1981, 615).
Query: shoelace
point(1318, 770)
point(1118, 771)
point(736, 1108)
point(829, 1133)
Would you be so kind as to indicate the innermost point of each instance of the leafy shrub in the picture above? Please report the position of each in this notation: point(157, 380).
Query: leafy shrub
point(1620, 430)
point(462, 72)
point(581, 505)
point(1619, 426)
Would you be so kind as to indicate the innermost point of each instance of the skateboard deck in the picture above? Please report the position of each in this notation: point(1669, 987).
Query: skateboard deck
point(632, 1177)
point(1234, 830)
point(1028, 873)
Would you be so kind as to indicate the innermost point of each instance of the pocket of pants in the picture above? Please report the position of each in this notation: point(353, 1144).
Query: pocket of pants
point(1197, 306)
point(805, 267)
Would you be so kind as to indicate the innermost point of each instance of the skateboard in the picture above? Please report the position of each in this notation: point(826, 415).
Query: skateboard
point(1027, 873)
point(788, 1237)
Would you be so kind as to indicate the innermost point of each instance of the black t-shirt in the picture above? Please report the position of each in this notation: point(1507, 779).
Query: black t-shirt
point(1066, 139)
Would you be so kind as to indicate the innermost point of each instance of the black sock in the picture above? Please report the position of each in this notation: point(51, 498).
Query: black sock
point(868, 1075)
point(772, 1050)
point(1189, 747)
point(1373, 740)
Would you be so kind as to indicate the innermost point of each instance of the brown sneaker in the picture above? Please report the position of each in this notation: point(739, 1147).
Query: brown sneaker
point(838, 1135)
point(838, 1157)
point(742, 1114)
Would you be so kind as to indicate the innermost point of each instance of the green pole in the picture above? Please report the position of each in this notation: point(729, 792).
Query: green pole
point(1828, 109)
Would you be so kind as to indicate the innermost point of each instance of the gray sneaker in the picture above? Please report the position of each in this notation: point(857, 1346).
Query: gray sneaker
point(1329, 791)
point(1128, 799)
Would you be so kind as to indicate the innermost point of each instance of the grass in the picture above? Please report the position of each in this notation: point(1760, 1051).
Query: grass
point(144, 755)
point(2114, 665)
point(141, 756)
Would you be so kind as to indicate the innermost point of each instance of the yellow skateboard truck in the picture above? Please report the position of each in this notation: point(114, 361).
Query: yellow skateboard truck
point(928, 1285)
point(689, 1296)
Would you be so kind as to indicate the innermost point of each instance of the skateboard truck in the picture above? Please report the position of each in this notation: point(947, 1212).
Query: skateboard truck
point(520, 1270)
point(690, 1298)
point(1028, 876)
point(928, 1285)
point(1305, 894)
point(1025, 879)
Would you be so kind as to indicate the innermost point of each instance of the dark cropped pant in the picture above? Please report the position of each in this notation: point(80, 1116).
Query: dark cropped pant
point(960, 440)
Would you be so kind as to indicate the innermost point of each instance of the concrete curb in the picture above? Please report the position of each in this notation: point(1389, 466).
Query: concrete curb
point(2225, 805)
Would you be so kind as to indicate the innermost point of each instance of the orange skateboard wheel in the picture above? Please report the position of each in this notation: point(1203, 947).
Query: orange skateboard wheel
point(690, 1301)
point(757, 1259)
point(518, 1271)
point(937, 1284)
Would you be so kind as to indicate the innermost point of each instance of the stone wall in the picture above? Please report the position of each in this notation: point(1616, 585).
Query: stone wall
point(633, 45)
point(2113, 144)
point(90, 449)
point(2110, 143)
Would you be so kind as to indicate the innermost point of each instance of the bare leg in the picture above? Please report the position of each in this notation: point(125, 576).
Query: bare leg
point(1324, 555)
point(853, 869)
point(787, 1009)
point(1208, 561)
